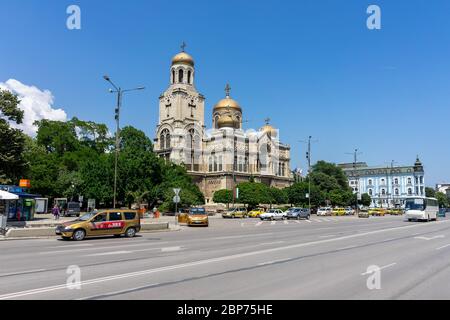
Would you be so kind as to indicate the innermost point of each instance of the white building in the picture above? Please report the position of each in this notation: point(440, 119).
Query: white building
point(387, 186)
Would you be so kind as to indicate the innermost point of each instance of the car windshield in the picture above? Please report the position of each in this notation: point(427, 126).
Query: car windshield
point(196, 211)
point(272, 211)
point(415, 204)
point(86, 216)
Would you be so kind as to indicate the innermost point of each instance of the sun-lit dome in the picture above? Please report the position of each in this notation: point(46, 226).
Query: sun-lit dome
point(183, 58)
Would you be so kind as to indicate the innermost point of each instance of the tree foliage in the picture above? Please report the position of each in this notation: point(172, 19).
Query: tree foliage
point(224, 196)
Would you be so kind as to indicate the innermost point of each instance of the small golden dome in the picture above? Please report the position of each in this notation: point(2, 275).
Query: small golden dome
point(183, 58)
point(226, 121)
point(270, 130)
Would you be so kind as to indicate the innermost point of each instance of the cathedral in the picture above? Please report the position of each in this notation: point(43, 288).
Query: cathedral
point(225, 155)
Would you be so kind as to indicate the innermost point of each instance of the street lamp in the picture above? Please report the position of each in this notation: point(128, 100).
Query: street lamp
point(120, 93)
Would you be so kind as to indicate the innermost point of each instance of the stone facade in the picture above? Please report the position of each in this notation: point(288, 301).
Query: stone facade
point(215, 157)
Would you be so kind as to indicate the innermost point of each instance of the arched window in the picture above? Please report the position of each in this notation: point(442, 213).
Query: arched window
point(383, 192)
point(216, 119)
point(210, 164)
point(189, 77)
point(215, 164)
point(409, 180)
point(396, 180)
point(220, 163)
point(165, 139)
point(180, 76)
point(173, 76)
point(396, 192)
point(370, 192)
point(370, 182)
point(409, 191)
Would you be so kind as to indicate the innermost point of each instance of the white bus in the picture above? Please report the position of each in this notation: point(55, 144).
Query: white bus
point(421, 209)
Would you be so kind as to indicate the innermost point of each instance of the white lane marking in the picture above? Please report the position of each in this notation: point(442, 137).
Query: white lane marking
point(72, 246)
point(102, 248)
point(269, 243)
point(317, 220)
point(259, 223)
point(447, 245)
point(296, 221)
point(286, 222)
point(327, 236)
point(108, 253)
point(431, 238)
point(170, 249)
point(273, 223)
point(388, 266)
point(309, 221)
point(21, 272)
point(237, 237)
point(115, 293)
point(272, 262)
point(242, 224)
point(326, 219)
point(346, 248)
point(212, 260)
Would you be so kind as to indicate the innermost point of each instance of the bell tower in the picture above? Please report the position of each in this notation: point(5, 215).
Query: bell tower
point(181, 107)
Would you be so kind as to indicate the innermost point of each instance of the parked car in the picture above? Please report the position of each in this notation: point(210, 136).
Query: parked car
point(298, 213)
point(349, 211)
point(101, 223)
point(339, 212)
point(395, 211)
point(381, 212)
point(325, 211)
point(73, 209)
point(255, 213)
point(363, 213)
point(239, 212)
point(272, 214)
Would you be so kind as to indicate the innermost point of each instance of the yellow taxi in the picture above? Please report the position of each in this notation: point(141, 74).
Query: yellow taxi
point(255, 213)
point(377, 212)
point(101, 223)
point(197, 217)
point(339, 212)
point(395, 212)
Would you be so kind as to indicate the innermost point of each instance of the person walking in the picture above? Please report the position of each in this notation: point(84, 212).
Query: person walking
point(56, 212)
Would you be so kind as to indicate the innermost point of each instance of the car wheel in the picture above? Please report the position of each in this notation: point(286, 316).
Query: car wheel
point(79, 235)
point(308, 217)
point(130, 233)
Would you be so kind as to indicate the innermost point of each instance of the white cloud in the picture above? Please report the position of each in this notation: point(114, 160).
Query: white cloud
point(35, 103)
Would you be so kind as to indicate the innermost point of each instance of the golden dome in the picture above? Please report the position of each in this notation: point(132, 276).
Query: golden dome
point(227, 103)
point(226, 121)
point(183, 58)
point(270, 130)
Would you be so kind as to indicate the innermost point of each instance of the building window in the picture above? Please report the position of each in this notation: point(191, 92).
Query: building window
point(409, 180)
point(180, 76)
point(189, 77)
point(383, 192)
point(421, 179)
point(370, 192)
point(396, 192)
point(220, 163)
point(370, 182)
point(210, 164)
point(409, 191)
point(383, 181)
point(396, 180)
point(165, 139)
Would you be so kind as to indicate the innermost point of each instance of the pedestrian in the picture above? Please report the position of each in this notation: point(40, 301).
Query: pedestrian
point(56, 212)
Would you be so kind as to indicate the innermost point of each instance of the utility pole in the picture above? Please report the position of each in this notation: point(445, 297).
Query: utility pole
point(120, 93)
point(355, 161)
point(308, 159)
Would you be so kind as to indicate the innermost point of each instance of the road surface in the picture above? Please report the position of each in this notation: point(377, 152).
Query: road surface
point(325, 258)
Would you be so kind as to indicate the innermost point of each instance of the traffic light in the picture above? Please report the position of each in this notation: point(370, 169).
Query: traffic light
point(116, 114)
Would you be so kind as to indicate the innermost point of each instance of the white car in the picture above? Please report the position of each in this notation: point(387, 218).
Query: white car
point(272, 214)
point(349, 211)
point(326, 211)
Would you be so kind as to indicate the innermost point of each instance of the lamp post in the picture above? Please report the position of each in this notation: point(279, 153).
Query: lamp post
point(120, 93)
point(308, 158)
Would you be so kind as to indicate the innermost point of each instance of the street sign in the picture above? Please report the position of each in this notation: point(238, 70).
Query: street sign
point(176, 199)
point(177, 191)
point(237, 193)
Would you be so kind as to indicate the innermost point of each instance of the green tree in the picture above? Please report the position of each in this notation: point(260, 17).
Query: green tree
point(442, 199)
point(278, 196)
point(366, 200)
point(12, 141)
point(253, 194)
point(223, 196)
point(430, 192)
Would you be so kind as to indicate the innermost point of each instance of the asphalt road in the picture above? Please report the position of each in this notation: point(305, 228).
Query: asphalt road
point(325, 258)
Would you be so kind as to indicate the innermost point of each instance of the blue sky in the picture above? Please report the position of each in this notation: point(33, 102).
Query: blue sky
point(313, 67)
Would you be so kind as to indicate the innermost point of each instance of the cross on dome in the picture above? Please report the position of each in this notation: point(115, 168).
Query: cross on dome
point(183, 46)
point(227, 90)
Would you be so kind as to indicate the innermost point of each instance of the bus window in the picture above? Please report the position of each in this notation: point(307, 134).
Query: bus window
point(415, 204)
